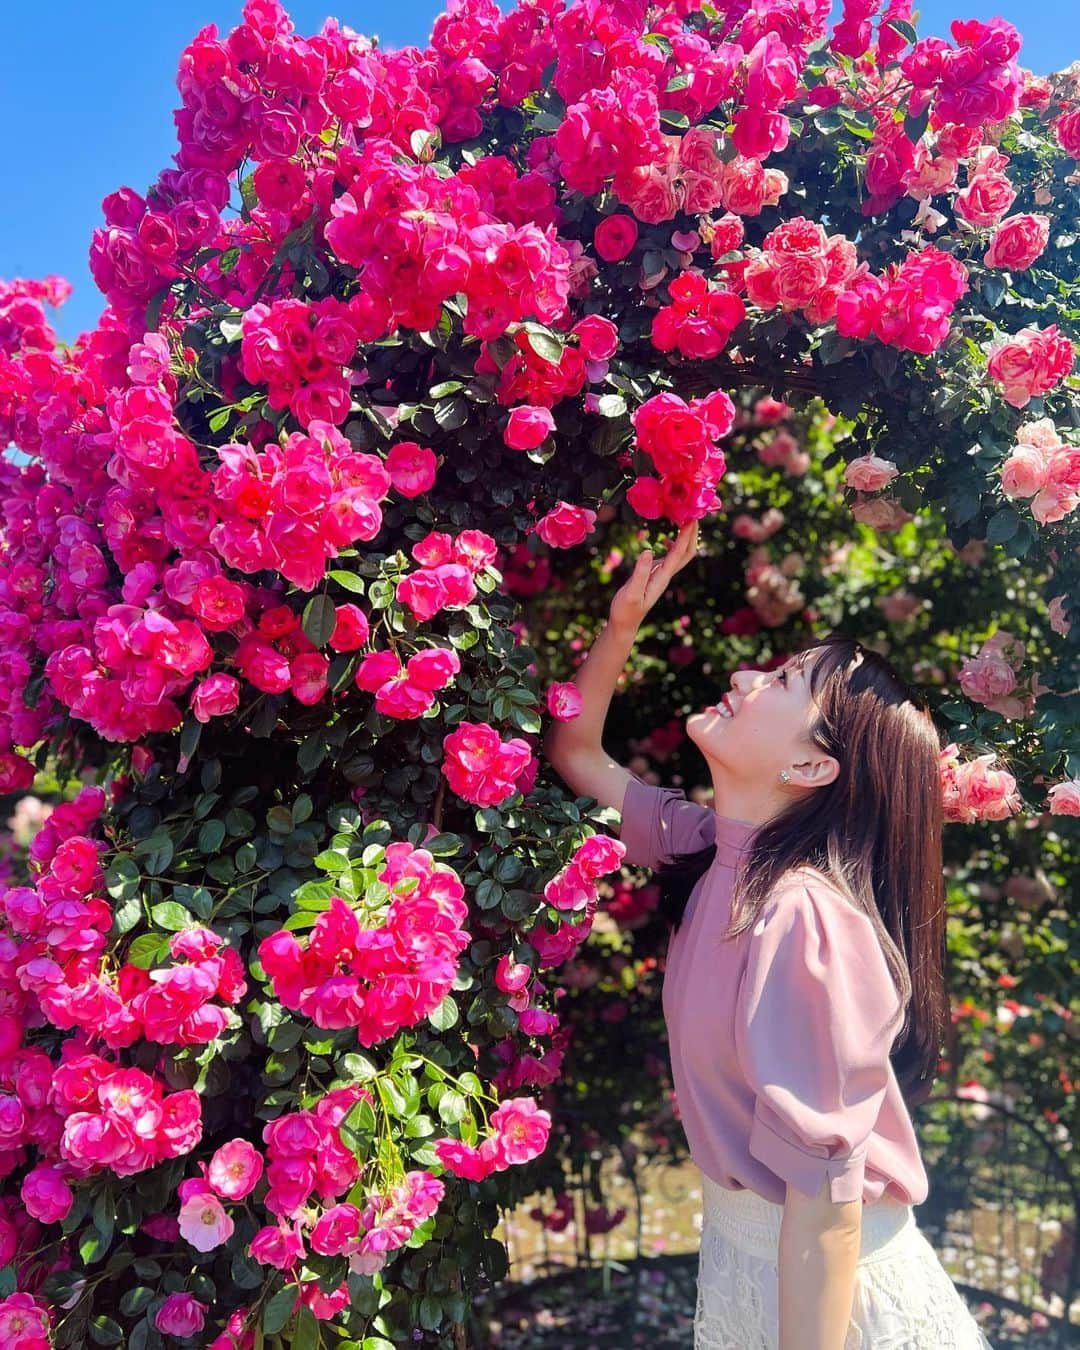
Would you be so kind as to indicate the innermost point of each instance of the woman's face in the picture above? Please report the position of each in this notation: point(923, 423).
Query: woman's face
point(762, 726)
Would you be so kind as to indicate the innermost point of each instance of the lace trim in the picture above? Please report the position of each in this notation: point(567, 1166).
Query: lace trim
point(904, 1299)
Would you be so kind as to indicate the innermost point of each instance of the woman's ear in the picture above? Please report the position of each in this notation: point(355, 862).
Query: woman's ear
point(816, 772)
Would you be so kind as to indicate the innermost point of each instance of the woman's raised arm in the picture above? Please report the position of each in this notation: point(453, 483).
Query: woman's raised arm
point(575, 749)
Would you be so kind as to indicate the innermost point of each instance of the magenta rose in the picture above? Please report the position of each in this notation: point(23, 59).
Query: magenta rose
point(217, 695)
point(615, 237)
point(566, 525)
point(528, 427)
point(181, 1315)
point(564, 701)
point(411, 468)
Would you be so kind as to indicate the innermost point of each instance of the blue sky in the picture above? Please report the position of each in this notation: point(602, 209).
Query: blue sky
point(87, 93)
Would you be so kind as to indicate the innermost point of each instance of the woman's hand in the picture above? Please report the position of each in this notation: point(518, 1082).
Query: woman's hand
point(648, 581)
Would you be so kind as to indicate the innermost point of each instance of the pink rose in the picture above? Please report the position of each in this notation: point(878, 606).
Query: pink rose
point(376, 668)
point(522, 1130)
point(1067, 128)
point(564, 701)
point(1024, 472)
point(181, 1315)
point(235, 1169)
point(566, 525)
point(46, 1194)
point(528, 427)
point(986, 678)
point(216, 696)
point(985, 199)
point(615, 237)
point(1064, 798)
point(869, 473)
point(1031, 364)
point(411, 468)
point(337, 1231)
point(433, 668)
point(881, 513)
point(351, 629)
point(1058, 622)
point(277, 1246)
point(1017, 242)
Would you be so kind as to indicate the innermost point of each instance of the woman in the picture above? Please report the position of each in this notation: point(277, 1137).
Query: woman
point(803, 988)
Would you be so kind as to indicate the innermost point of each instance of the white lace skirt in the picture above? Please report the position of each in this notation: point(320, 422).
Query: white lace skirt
point(904, 1299)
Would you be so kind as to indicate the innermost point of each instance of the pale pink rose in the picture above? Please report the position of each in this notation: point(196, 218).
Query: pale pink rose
point(651, 194)
point(1024, 472)
point(900, 606)
point(869, 473)
point(1018, 241)
point(1052, 504)
point(1058, 622)
point(564, 701)
point(881, 513)
point(1064, 798)
point(1042, 433)
point(204, 1223)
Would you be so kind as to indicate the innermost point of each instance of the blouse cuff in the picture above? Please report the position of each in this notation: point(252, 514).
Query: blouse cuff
point(804, 1165)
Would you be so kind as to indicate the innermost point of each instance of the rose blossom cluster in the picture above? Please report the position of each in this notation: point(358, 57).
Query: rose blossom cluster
point(407, 691)
point(531, 378)
point(519, 1132)
point(377, 980)
point(909, 306)
point(1041, 466)
point(421, 238)
point(686, 175)
point(120, 1119)
point(699, 321)
point(680, 438)
point(975, 82)
point(292, 507)
point(782, 451)
point(974, 790)
point(233, 1173)
point(800, 267)
point(447, 568)
point(744, 526)
point(1031, 363)
point(991, 676)
point(484, 769)
point(988, 194)
point(301, 351)
point(575, 885)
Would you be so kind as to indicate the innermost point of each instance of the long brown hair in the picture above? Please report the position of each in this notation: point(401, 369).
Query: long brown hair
point(875, 831)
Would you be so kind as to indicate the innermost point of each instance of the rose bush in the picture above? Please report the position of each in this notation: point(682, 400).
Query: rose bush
point(396, 331)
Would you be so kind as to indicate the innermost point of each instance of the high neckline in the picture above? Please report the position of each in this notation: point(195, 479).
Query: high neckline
point(733, 838)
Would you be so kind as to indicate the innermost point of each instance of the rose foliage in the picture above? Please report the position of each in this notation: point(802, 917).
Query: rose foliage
point(272, 992)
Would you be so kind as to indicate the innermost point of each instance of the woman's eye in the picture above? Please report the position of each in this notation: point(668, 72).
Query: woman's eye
point(783, 677)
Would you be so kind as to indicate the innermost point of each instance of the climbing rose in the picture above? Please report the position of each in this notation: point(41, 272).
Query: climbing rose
point(1031, 363)
point(1017, 242)
point(1064, 798)
point(181, 1315)
point(868, 473)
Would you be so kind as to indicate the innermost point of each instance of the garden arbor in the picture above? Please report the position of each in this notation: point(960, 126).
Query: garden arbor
point(395, 329)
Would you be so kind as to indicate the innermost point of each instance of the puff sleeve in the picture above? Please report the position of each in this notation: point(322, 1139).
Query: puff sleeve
point(658, 822)
point(816, 1013)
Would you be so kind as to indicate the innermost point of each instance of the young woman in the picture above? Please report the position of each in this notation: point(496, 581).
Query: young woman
point(803, 989)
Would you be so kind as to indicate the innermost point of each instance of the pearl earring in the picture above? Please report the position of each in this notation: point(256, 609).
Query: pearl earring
point(785, 777)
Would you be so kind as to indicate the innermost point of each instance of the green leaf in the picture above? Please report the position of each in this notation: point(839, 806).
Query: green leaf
point(915, 127)
point(548, 346)
point(171, 916)
point(104, 1331)
point(906, 30)
point(671, 118)
point(307, 1335)
point(212, 836)
point(278, 1309)
point(320, 619)
point(146, 951)
point(349, 581)
point(1002, 525)
point(611, 405)
point(445, 1015)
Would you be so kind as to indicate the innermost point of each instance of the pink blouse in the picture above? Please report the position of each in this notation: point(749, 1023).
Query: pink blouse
point(779, 1039)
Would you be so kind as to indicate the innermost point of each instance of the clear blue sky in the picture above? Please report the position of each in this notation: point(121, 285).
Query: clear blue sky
point(87, 92)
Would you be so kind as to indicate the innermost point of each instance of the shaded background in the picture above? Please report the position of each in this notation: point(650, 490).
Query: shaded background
point(87, 93)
